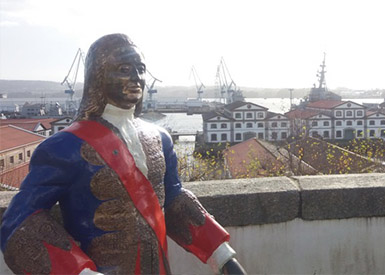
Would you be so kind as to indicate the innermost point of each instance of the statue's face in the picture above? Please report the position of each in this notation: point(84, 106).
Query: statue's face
point(124, 78)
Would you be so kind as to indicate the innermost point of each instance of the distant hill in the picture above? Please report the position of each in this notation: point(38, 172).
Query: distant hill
point(30, 88)
point(26, 88)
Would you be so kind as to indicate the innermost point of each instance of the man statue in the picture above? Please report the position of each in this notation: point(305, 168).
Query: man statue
point(115, 178)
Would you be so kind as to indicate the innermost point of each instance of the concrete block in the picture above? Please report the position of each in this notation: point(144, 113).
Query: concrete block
point(342, 196)
point(248, 201)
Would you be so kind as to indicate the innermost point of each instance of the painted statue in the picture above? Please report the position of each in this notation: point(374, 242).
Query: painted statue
point(115, 178)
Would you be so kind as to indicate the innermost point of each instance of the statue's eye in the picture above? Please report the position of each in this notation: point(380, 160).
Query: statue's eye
point(125, 69)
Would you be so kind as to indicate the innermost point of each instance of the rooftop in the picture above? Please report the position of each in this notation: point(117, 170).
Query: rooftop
point(301, 113)
point(12, 136)
point(325, 104)
point(12, 178)
point(251, 159)
point(237, 104)
point(29, 124)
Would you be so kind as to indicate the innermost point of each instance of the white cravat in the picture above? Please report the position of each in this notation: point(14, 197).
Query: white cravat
point(123, 120)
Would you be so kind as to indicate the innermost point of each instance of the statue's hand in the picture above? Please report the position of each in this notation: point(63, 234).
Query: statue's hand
point(233, 267)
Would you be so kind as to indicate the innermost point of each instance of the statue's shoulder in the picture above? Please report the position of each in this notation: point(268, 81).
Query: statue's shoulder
point(148, 126)
point(62, 145)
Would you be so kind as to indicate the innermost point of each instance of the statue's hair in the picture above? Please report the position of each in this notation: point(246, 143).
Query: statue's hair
point(94, 101)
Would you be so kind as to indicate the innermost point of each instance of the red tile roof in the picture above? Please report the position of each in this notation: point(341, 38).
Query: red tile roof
point(300, 113)
point(12, 178)
point(236, 104)
point(28, 123)
point(325, 104)
point(11, 137)
point(251, 159)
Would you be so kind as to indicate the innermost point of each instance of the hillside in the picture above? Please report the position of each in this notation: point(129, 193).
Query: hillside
point(29, 88)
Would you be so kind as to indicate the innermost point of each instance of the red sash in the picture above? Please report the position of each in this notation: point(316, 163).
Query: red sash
point(117, 156)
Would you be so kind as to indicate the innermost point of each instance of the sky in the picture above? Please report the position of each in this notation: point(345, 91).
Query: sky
point(265, 43)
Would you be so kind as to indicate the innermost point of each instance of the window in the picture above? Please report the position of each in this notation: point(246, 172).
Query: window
point(238, 115)
point(283, 135)
point(274, 124)
point(223, 126)
point(11, 159)
point(360, 113)
point(349, 123)
point(28, 153)
point(274, 135)
point(213, 126)
point(339, 113)
point(349, 113)
point(260, 135)
point(382, 133)
point(382, 122)
point(372, 122)
point(260, 115)
point(1, 163)
point(224, 137)
point(283, 124)
point(338, 133)
point(21, 156)
point(360, 133)
point(372, 133)
point(359, 122)
point(213, 137)
point(260, 125)
point(314, 123)
point(249, 115)
point(238, 125)
point(314, 133)
point(238, 136)
point(326, 134)
point(338, 123)
point(249, 125)
point(326, 123)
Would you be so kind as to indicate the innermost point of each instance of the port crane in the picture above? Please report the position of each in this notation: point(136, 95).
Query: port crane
point(70, 80)
point(71, 77)
point(151, 90)
point(199, 87)
point(226, 84)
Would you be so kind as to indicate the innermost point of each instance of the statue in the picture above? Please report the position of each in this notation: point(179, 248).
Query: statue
point(115, 178)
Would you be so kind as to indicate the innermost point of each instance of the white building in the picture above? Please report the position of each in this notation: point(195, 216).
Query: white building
point(241, 121)
point(375, 125)
point(60, 124)
point(339, 120)
point(327, 119)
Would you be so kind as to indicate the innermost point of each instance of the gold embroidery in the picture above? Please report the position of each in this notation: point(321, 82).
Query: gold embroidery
point(26, 253)
point(105, 185)
point(185, 210)
point(89, 154)
point(115, 215)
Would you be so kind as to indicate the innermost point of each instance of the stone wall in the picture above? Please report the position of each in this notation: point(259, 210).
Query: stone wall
point(300, 225)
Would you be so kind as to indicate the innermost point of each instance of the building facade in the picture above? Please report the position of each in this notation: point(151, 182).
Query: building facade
point(16, 148)
point(326, 119)
point(240, 121)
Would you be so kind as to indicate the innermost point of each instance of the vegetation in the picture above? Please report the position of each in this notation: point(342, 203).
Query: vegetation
point(306, 156)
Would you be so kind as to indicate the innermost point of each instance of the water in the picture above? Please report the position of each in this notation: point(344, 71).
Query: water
point(185, 123)
point(181, 122)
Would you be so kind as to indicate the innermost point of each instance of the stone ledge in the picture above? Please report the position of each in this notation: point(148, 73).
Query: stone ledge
point(248, 201)
point(342, 196)
point(280, 199)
